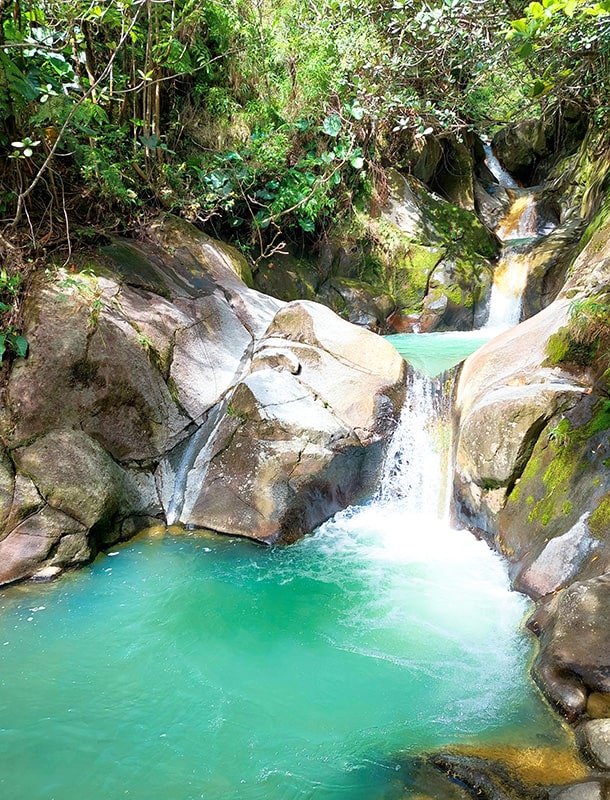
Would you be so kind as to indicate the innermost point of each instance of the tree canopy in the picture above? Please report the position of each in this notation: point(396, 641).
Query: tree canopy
point(261, 117)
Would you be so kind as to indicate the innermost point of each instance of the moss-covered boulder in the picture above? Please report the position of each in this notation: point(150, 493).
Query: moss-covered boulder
point(434, 256)
point(455, 295)
point(522, 145)
point(359, 302)
point(540, 492)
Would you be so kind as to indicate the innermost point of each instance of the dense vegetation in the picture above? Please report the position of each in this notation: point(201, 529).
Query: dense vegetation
point(261, 115)
point(260, 120)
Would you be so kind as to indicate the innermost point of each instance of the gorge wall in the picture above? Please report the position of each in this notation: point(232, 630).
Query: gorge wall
point(532, 471)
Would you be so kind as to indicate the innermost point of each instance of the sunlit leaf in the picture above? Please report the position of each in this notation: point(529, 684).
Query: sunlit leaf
point(332, 125)
point(520, 25)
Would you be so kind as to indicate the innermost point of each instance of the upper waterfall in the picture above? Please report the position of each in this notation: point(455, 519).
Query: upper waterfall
point(520, 230)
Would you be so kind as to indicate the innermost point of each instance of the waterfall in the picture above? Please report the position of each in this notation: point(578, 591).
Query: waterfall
point(416, 465)
point(201, 442)
point(497, 170)
point(519, 231)
point(510, 280)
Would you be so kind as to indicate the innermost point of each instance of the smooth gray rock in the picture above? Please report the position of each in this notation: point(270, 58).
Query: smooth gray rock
point(587, 790)
point(594, 739)
point(301, 436)
point(574, 656)
point(560, 560)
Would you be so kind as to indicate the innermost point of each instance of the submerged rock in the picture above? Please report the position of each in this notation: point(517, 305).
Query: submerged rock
point(505, 772)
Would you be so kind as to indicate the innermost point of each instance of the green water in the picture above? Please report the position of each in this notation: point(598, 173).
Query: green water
point(434, 353)
point(188, 667)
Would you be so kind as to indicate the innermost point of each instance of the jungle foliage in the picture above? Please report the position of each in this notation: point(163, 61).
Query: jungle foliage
point(262, 119)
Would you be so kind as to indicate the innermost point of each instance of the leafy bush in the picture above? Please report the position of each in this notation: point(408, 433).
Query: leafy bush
point(579, 341)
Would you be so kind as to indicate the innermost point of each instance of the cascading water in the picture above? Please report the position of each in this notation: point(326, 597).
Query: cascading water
point(414, 464)
point(188, 667)
point(503, 177)
point(522, 226)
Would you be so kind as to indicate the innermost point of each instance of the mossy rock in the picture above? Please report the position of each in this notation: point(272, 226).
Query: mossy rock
point(564, 491)
point(359, 302)
point(455, 288)
point(287, 278)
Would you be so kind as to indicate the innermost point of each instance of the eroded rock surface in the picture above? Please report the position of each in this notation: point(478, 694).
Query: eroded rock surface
point(302, 436)
point(158, 372)
point(533, 478)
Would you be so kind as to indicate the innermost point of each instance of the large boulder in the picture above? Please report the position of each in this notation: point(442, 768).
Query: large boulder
point(302, 434)
point(532, 476)
point(505, 397)
point(140, 365)
point(455, 295)
point(574, 656)
point(522, 145)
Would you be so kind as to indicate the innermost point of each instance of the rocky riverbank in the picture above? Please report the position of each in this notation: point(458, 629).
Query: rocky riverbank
point(532, 477)
point(160, 387)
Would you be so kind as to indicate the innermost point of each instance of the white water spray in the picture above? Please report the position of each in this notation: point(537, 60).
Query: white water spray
point(497, 170)
point(416, 463)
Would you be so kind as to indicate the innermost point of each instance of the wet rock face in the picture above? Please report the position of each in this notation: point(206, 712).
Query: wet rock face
point(574, 658)
point(532, 478)
point(504, 399)
point(594, 738)
point(526, 147)
point(135, 364)
point(520, 147)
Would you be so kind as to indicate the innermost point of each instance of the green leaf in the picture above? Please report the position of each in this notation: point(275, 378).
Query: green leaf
point(526, 50)
point(2, 345)
point(307, 225)
point(332, 125)
point(19, 345)
point(152, 142)
point(357, 162)
point(535, 10)
point(356, 110)
point(520, 25)
point(540, 87)
point(261, 218)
